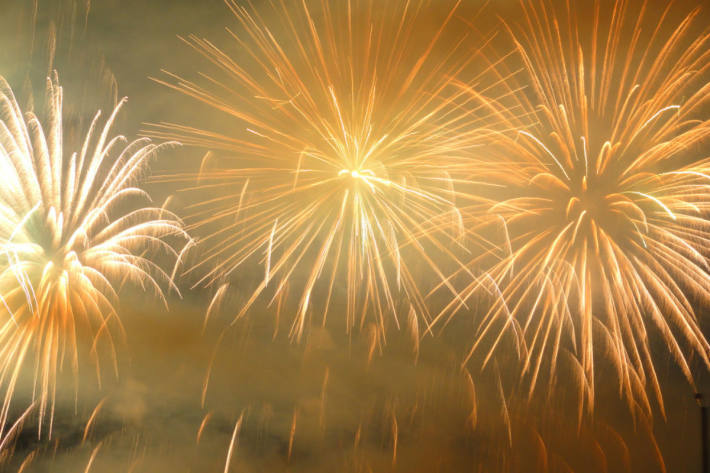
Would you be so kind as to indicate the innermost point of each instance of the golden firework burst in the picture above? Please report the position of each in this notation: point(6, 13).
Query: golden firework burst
point(344, 121)
point(72, 229)
point(607, 194)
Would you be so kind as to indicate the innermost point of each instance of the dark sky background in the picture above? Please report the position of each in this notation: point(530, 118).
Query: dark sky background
point(345, 408)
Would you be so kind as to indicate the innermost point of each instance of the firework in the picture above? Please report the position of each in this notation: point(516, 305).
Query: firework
point(71, 231)
point(343, 120)
point(607, 195)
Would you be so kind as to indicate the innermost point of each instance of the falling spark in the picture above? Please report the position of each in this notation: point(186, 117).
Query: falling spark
point(203, 424)
point(233, 442)
point(16, 427)
point(473, 417)
point(395, 437)
point(214, 304)
point(323, 393)
point(91, 420)
point(93, 457)
point(292, 433)
point(27, 461)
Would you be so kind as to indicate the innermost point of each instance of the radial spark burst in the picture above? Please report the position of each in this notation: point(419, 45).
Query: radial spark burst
point(333, 176)
point(72, 229)
point(608, 194)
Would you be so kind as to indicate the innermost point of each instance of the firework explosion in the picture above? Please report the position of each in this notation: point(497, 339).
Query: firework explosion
point(367, 161)
point(72, 231)
point(347, 120)
point(606, 202)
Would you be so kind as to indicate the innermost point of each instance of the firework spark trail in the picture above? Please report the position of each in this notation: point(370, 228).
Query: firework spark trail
point(606, 196)
point(75, 228)
point(233, 442)
point(347, 120)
